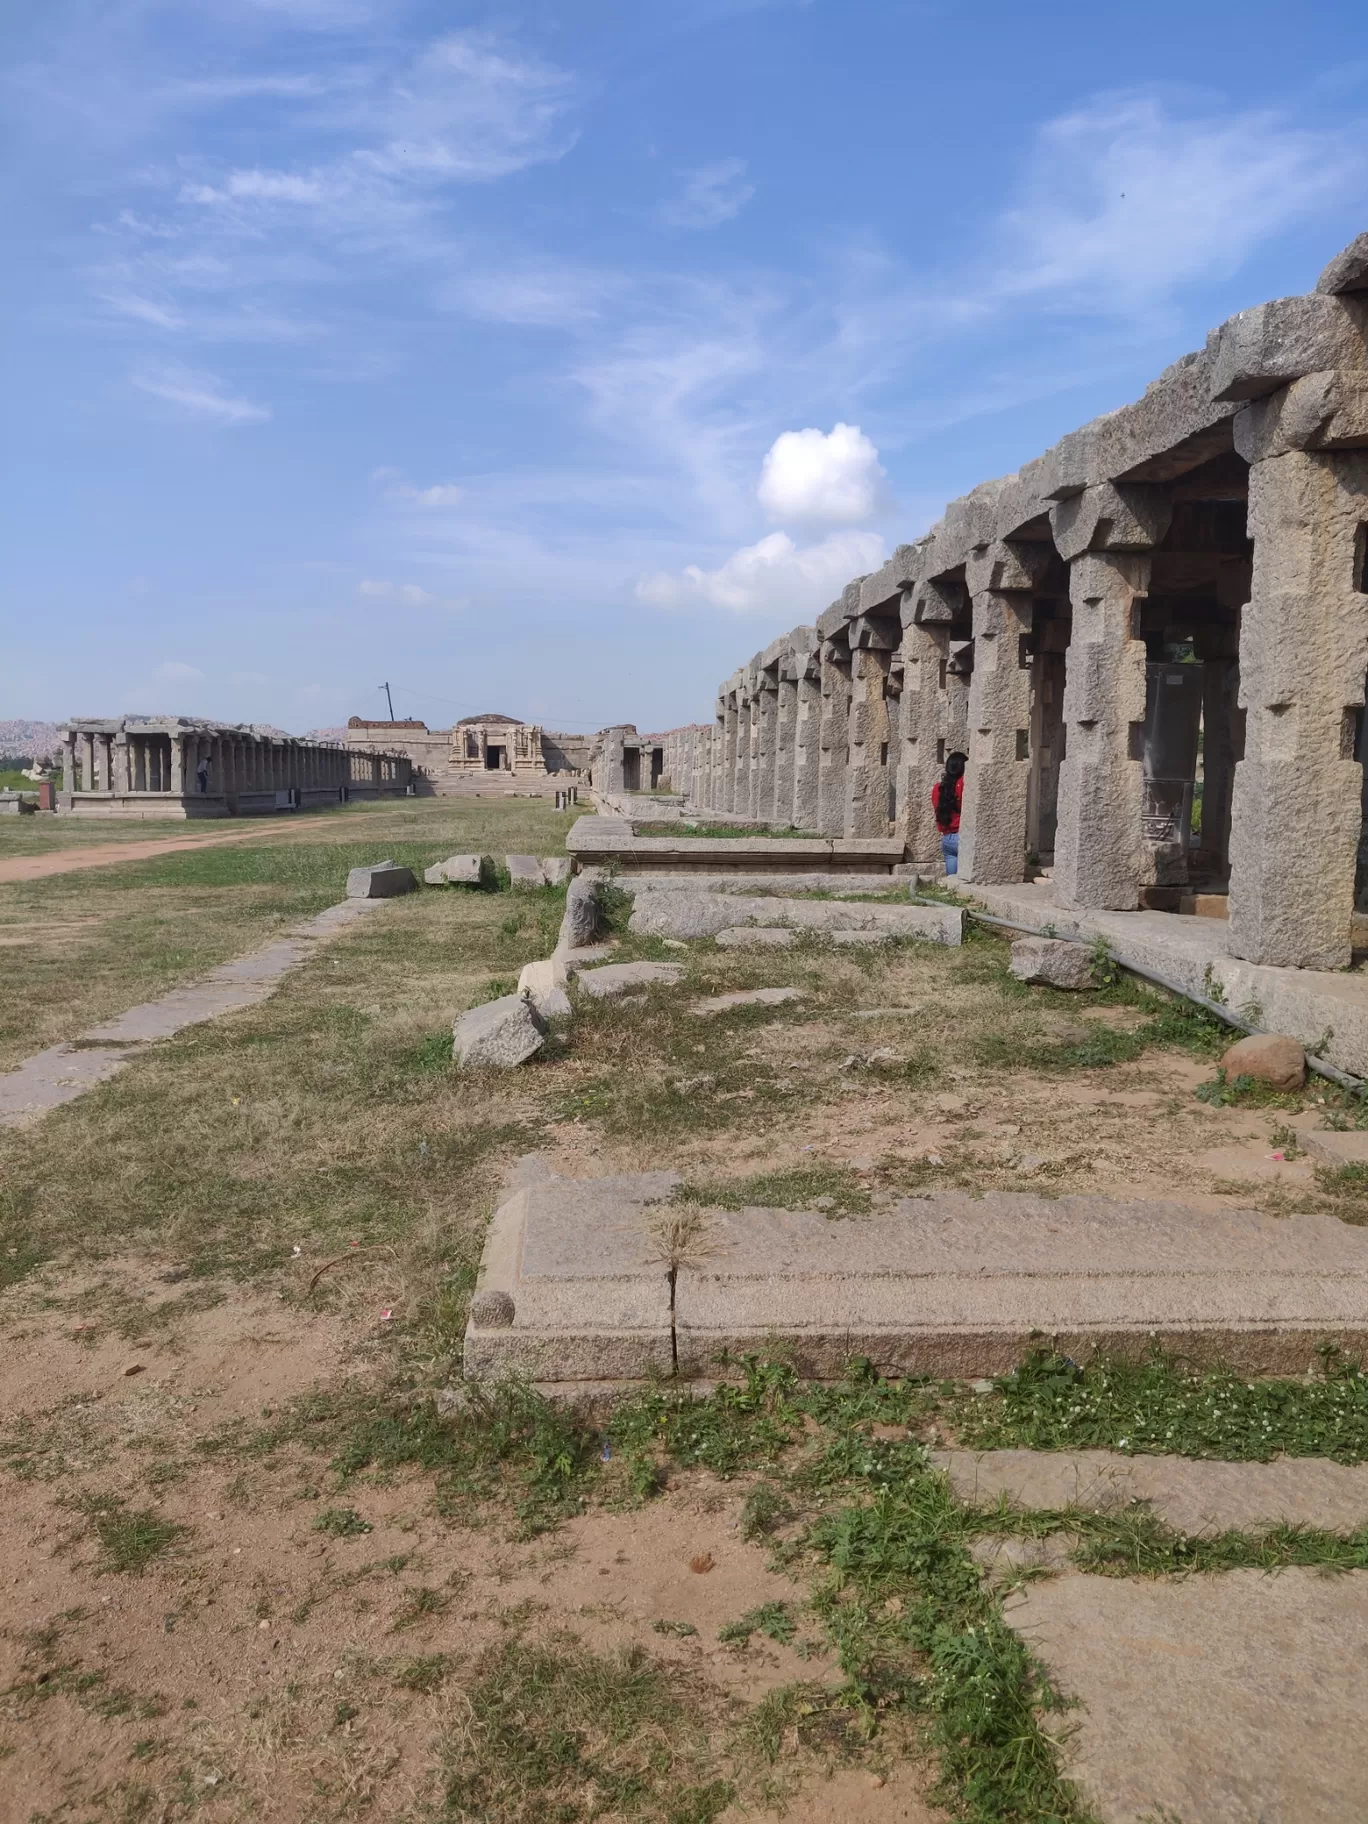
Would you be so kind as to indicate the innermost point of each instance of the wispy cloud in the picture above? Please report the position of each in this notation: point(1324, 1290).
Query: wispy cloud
point(774, 577)
point(199, 394)
point(712, 194)
point(383, 589)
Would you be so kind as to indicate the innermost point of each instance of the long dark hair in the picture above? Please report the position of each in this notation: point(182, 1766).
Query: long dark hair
point(947, 798)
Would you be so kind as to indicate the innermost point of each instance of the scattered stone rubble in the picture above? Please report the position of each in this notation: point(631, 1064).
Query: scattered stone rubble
point(1052, 963)
point(1268, 1057)
point(382, 880)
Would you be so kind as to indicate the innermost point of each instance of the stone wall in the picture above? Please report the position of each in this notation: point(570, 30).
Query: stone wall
point(1220, 521)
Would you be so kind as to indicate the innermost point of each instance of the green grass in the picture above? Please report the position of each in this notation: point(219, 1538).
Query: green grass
point(833, 1189)
point(129, 1538)
point(775, 1620)
point(1050, 1403)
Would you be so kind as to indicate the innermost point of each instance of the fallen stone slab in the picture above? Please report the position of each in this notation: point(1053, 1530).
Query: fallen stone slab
point(580, 921)
point(612, 979)
point(1052, 962)
point(952, 1285)
point(524, 872)
point(1231, 1699)
point(582, 956)
point(864, 937)
point(382, 880)
point(462, 871)
point(543, 984)
point(612, 841)
point(894, 886)
point(1190, 1495)
point(499, 1035)
point(1269, 1058)
point(747, 997)
point(756, 937)
point(555, 869)
point(697, 915)
point(1332, 1148)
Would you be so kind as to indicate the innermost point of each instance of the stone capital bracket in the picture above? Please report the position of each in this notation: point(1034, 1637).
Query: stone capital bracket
point(933, 599)
point(1004, 567)
point(874, 633)
point(1113, 516)
point(1324, 411)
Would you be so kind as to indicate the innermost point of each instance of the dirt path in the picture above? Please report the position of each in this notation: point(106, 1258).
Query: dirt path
point(106, 854)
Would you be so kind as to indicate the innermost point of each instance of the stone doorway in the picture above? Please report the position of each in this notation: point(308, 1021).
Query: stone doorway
point(494, 759)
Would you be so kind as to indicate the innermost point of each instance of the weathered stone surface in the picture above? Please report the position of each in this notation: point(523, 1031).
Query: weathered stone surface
point(1233, 1699)
point(543, 984)
point(582, 956)
point(747, 997)
point(690, 914)
point(1348, 271)
point(433, 876)
point(382, 880)
point(580, 923)
point(555, 869)
point(1332, 1148)
point(525, 871)
point(1263, 348)
point(466, 870)
point(499, 1035)
point(1051, 962)
point(756, 937)
point(1268, 1057)
point(612, 979)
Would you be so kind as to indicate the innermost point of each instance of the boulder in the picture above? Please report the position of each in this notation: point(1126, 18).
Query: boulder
point(1268, 1057)
point(1052, 962)
point(616, 978)
point(525, 871)
point(555, 869)
point(579, 927)
point(499, 1035)
point(466, 870)
point(543, 984)
point(382, 880)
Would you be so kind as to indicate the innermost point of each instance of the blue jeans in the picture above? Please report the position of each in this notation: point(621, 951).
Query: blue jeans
point(950, 851)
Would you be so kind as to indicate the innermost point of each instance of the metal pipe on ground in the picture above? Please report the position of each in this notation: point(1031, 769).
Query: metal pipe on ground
point(1355, 1085)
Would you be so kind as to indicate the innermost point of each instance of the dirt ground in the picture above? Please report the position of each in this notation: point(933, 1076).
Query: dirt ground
point(218, 1606)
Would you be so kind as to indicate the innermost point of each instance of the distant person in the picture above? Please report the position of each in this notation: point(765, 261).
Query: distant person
point(202, 775)
point(947, 798)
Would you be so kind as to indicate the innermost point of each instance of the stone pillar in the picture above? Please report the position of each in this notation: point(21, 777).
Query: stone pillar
point(69, 762)
point(835, 738)
point(926, 651)
point(807, 740)
point(1107, 535)
point(785, 739)
point(1297, 808)
point(730, 739)
point(766, 744)
point(88, 762)
point(747, 743)
point(997, 780)
point(176, 783)
point(866, 804)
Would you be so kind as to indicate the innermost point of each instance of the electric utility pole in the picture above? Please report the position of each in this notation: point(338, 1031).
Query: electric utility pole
point(389, 699)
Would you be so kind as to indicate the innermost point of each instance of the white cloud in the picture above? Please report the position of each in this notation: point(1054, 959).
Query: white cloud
point(442, 494)
point(397, 592)
point(831, 478)
point(711, 195)
point(540, 296)
point(258, 186)
point(175, 671)
point(772, 577)
point(198, 393)
point(1131, 196)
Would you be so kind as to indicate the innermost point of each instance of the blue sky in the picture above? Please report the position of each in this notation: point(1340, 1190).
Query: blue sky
point(554, 359)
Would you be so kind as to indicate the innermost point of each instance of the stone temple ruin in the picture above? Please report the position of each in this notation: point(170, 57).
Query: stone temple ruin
point(1168, 609)
point(181, 766)
point(477, 750)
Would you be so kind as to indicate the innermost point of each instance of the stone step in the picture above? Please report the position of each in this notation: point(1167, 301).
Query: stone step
point(611, 1279)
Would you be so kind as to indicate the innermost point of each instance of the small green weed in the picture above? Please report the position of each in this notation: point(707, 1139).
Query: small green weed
point(764, 1512)
point(341, 1523)
point(836, 1190)
point(772, 1619)
point(676, 1630)
point(426, 1673)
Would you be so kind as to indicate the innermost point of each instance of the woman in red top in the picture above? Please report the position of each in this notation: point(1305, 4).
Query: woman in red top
point(947, 796)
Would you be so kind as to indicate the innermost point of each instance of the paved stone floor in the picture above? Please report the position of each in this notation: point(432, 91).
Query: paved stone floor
point(63, 1072)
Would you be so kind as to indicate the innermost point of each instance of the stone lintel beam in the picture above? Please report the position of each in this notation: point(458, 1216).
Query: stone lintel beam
point(1266, 347)
point(875, 632)
point(1003, 566)
point(888, 582)
point(1111, 517)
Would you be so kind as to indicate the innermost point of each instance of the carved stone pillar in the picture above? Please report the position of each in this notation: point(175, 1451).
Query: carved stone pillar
point(928, 610)
point(1297, 808)
point(835, 737)
point(766, 742)
point(1106, 535)
point(997, 778)
point(866, 806)
point(786, 735)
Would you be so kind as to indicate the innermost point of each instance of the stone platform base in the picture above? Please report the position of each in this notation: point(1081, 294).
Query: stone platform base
point(610, 1279)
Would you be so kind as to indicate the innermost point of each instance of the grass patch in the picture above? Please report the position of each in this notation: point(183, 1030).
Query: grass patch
point(130, 1538)
point(1156, 1406)
point(341, 1523)
point(835, 1190)
point(555, 1731)
point(772, 1619)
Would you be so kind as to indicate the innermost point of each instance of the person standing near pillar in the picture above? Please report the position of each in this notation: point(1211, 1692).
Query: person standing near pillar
point(947, 801)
